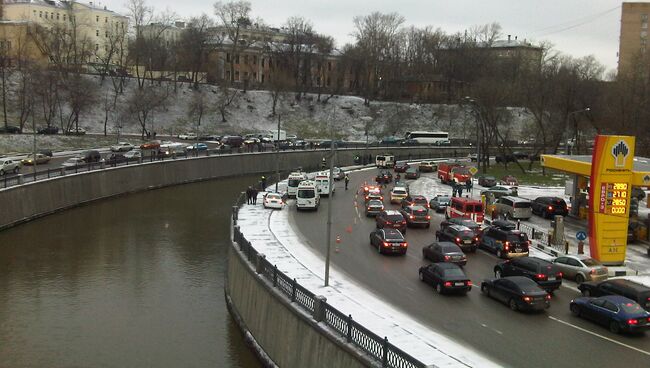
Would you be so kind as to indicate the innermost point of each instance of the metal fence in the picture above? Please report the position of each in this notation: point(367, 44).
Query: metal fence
point(354, 333)
point(541, 236)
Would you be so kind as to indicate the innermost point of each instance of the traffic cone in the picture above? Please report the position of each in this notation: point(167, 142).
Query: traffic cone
point(349, 229)
point(338, 241)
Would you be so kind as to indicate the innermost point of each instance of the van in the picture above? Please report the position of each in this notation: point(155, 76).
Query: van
point(514, 208)
point(293, 182)
point(465, 207)
point(385, 161)
point(307, 196)
point(323, 183)
point(233, 141)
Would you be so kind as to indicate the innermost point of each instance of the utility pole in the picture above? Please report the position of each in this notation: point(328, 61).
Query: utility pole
point(277, 160)
point(34, 133)
point(330, 204)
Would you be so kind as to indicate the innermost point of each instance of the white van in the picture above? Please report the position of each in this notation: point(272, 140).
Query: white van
point(307, 196)
point(385, 161)
point(293, 181)
point(323, 183)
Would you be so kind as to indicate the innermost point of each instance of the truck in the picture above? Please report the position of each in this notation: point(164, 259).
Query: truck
point(273, 135)
point(453, 172)
point(323, 183)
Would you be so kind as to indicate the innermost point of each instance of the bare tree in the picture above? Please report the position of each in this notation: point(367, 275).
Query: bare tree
point(197, 40)
point(143, 102)
point(226, 96)
point(234, 18)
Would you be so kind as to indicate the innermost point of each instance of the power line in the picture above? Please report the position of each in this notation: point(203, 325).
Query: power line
point(571, 24)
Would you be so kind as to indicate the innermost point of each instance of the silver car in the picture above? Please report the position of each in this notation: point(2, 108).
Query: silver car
point(8, 165)
point(581, 268)
point(514, 207)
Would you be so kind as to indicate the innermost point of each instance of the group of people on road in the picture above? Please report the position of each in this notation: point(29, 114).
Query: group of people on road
point(252, 191)
point(457, 188)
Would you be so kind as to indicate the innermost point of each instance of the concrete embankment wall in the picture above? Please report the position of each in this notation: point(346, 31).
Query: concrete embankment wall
point(25, 202)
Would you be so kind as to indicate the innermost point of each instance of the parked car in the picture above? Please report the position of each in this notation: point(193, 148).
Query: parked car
point(40, 159)
point(374, 207)
point(460, 235)
point(8, 165)
point(397, 194)
point(445, 277)
point(439, 203)
point(187, 136)
point(505, 243)
point(197, 146)
point(427, 166)
point(339, 174)
point(273, 200)
point(412, 173)
point(416, 216)
point(444, 252)
point(499, 191)
point(614, 311)
point(580, 268)
point(513, 208)
point(509, 180)
point(391, 219)
point(487, 181)
point(627, 288)
point(384, 177)
point(471, 224)
point(401, 167)
point(77, 131)
point(518, 292)
point(133, 155)
point(115, 158)
point(122, 147)
point(543, 272)
point(49, 130)
point(151, 145)
point(549, 207)
point(416, 200)
point(388, 241)
point(91, 156)
point(9, 129)
point(73, 162)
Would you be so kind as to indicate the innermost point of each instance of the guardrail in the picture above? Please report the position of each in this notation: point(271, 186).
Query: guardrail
point(387, 354)
point(541, 236)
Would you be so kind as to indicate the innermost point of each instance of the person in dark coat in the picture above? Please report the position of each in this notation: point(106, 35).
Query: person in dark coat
point(254, 193)
point(263, 181)
point(249, 195)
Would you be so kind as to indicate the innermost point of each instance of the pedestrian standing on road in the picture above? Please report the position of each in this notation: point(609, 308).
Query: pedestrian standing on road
point(254, 195)
point(347, 181)
point(249, 195)
point(263, 183)
point(460, 190)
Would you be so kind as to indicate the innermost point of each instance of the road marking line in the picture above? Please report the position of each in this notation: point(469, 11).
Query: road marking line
point(601, 336)
point(495, 330)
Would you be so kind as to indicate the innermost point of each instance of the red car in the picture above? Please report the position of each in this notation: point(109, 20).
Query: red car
point(401, 167)
point(150, 145)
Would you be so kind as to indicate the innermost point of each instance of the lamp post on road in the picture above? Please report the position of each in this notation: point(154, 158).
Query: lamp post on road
point(472, 102)
point(575, 129)
point(328, 237)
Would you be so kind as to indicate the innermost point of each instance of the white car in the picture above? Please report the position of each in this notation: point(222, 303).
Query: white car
point(73, 161)
point(397, 194)
point(122, 147)
point(8, 165)
point(273, 200)
point(133, 155)
point(187, 136)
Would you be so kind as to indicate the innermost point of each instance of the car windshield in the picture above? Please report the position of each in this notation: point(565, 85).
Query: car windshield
point(450, 249)
point(294, 182)
point(394, 235)
point(632, 307)
point(306, 193)
point(450, 272)
point(522, 205)
point(461, 170)
point(475, 208)
point(467, 233)
point(273, 196)
point(443, 200)
point(399, 191)
point(590, 262)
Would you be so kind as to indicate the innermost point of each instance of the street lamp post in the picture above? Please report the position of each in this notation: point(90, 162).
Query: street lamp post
point(575, 128)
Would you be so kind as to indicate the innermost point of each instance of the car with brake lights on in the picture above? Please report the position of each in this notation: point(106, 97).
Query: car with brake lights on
point(397, 194)
point(384, 177)
point(581, 268)
point(427, 166)
point(416, 216)
point(444, 252)
point(388, 241)
point(412, 173)
point(273, 200)
point(439, 203)
point(367, 187)
point(549, 206)
point(391, 219)
point(518, 292)
point(460, 235)
point(401, 167)
point(504, 242)
point(614, 311)
point(618, 286)
point(416, 200)
point(374, 207)
point(543, 272)
point(462, 221)
point(374, 193)
point(445, 277)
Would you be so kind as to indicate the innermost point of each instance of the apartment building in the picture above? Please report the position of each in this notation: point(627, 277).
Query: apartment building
point(168, 34)
point(633, 42)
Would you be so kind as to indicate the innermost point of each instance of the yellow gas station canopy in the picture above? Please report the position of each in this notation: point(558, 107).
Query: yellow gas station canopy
point(581, 165)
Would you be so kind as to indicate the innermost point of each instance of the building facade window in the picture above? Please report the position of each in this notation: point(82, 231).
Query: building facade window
point(237, 59)
point(64, 16)
point(228, 75)
point(97, 32)
point(58, 16)
point(237, 76)
point(40, 14)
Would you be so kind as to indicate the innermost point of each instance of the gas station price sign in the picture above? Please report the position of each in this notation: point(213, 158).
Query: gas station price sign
point(614, 198)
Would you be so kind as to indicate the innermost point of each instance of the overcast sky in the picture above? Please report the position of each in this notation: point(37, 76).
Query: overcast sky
point(575, 27)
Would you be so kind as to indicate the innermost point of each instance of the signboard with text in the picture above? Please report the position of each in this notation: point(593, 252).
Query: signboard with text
point(609, 192)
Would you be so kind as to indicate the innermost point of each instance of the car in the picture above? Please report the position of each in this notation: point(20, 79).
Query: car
point(122, 147)
point(509, 180)
point(197, 146)
point(273, 200)
point(91, 156)
point(444, 252)
point(505, 158)
point(614, 311)
point(77, 131)
point(366, 188)
point(543, 272)
point(73, 162)
point(9, 129)
point(473, 157)
point(116, 158)
point(46, 152)
point(416, 200)
point(416, 216)
point(397, 194)
point(499, 191)
point(188, 136)
point(40, 159)
point(49, 130)
point(427, 166)
point(339, 174)
point(580, 268)
point(133, 155)
point(388, 241)
point(401, 167)
point(8, 165)
point(151, 145)
point(548, 207)
point(460, 235)
point(391, 219)
point(384, 177)
point(518, 292)
point(374, 194)
point(374, 207)
point(412, 173)
point(505, 243)
point(462, 221)
point(410, 142)
point(618, 286)
point(439, 203)
point(513, 208)
point(445, 277)
point(487, 181)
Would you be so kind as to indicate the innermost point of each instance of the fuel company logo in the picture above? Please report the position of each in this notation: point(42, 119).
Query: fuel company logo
point(620, 151)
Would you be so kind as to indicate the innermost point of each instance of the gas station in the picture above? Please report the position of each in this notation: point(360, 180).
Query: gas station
point(607, 176)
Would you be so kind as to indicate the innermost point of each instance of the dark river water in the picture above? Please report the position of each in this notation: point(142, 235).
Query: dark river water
point(135, 281)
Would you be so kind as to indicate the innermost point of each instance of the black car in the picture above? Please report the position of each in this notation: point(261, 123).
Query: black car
point(46, 152)
point(91, 156)
point(543, 272)
point(471, 224)
point(520, 293)
point(115, 158)
point(388, 241)
point(412, 173)
point(384, 176)
point(445, 277)
point(487, 181)
point(416, 216)
point(505, 158)
point(627, 288)
point(549, 206)
point(444, 252)
point(391, 219)
point(439, 203)
point(505, 243)
point(416, 200)
point(460, 235)
point(9, 129)
point(49, 130)
point(401, 167)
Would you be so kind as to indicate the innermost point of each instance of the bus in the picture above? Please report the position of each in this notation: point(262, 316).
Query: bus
point(422, 137)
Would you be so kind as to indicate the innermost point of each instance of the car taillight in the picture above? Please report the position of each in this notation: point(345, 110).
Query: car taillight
point(632, 321)
point(548, 297)
point(468, 283)
point(457, 240)
point(367, 197)
point(447, 258)
point(386, 244)
point(559, 275)
point(403, 222)
point(540, 276)
point(527, 299)
point(447, 283)
point(550, 208)
point(476, 238)
point(411, 217)
point(507, 246)
point(428, 217)
point(405, 244)
point(382, 198)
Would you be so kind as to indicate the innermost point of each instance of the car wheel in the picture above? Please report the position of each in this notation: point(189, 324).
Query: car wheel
point(575, 310)
point(497, 274)
point(439, 288)
point(615, 327)
point(499, 253)
point(586, 292)
point(421, 276)
point(580, 279)
point(513, 305)
point(15, 169)
point(2, 172)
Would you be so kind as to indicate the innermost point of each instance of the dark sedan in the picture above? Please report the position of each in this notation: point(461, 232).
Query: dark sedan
point(444, 252)
point(463, 221)
point(541, 271)
point(439, 203)
point(391, 219)
point(520, 293)
point(388, 241)
point(459, 235)
point(9, 129)
point(401, 167)
point(614, 311)
point(374, 207)
point(549, 206)
point(412, 173)
point(445, 277)
point(49, 130)
point(384, 177)
point(417, 200)
point(115, 158)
